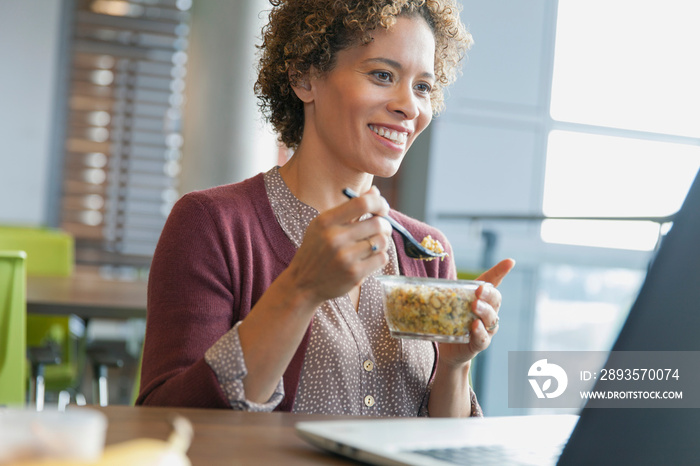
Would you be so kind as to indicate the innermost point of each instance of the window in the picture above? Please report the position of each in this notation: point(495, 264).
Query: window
point(583, 308)
point(625, 106)
point(122, 151)
point(595, 175)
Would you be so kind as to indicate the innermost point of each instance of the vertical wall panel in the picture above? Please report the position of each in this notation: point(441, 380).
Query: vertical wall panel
point(29, 34)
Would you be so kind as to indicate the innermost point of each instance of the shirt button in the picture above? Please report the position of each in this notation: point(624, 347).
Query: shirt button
point(368, 365)
point(369, 401)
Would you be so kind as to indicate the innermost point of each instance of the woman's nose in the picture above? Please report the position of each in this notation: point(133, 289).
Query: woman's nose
point(405, 102)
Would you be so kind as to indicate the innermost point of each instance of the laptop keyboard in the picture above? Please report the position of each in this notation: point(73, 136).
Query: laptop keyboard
point(494, 455)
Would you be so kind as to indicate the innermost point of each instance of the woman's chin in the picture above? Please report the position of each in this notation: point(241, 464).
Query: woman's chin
point(388, 168)
point(385, 173)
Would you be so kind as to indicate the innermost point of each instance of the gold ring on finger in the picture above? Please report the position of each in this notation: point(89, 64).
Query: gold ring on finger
point(372, 245)
point(494, 326)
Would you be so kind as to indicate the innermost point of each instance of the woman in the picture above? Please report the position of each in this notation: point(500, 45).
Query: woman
point(262, 293)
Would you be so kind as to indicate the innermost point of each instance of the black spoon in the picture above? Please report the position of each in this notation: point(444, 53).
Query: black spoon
point(412, 247)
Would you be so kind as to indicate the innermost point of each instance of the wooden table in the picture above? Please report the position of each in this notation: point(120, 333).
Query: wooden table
point(224, 436)
point(87, 295)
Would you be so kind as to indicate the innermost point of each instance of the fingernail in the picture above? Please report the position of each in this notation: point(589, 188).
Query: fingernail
point(480, 308)
point(485, 291)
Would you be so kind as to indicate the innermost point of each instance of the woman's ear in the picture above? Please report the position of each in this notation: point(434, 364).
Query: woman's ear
point(301, 84)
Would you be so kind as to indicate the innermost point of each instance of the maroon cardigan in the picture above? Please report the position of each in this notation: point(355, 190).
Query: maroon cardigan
point(219, 251)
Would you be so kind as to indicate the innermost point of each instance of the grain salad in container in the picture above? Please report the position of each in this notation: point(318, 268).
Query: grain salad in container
point(429, 308)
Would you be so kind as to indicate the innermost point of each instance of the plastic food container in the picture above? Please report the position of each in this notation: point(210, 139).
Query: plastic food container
point(76, 435)
point(429, 308)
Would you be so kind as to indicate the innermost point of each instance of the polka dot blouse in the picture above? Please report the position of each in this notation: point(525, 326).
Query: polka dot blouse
point(352, 365)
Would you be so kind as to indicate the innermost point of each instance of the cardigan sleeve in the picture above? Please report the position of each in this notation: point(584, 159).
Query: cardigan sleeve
point(227, 361)
point(190, 306)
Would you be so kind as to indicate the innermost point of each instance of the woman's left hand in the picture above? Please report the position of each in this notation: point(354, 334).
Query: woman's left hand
point(486, 308)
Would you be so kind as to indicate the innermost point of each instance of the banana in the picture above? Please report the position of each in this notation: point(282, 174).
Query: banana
point(139, 452)
point(142, 452)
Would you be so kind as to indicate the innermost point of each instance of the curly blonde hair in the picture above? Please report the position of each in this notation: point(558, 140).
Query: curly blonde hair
point(302, 34)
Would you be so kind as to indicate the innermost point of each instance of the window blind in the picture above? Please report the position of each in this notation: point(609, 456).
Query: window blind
point(123, 143)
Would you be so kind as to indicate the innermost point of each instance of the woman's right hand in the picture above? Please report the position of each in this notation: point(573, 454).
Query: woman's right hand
point(337, 252)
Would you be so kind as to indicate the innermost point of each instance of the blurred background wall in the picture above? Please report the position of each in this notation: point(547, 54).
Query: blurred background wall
point(30, 34)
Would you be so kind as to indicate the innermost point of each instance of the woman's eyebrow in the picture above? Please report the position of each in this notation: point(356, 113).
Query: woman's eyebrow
point(396, 65)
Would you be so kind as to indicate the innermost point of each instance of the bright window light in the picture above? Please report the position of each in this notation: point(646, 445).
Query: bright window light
point(592, 175)
point(636, 236)
point(595, 175)
point(629, 64)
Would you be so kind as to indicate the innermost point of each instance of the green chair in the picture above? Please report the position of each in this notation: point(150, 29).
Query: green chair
point(468, 274)
point(49, 252)
point(13, 311)
point(137, 381)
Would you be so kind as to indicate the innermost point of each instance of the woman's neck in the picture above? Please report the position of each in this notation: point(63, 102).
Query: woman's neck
point(318, 184)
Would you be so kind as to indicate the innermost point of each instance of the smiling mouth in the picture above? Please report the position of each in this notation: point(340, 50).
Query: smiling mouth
point(392, 135)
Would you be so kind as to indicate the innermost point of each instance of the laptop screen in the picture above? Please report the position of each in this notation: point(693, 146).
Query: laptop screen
point(665, 317)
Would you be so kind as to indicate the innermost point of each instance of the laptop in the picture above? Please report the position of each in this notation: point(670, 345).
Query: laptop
point(664, 317)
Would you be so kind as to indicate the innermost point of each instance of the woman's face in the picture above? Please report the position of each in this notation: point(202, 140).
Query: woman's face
point(367, 111)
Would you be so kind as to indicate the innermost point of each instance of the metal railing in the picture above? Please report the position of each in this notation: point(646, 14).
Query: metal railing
point(540, 217)
point(490, 237)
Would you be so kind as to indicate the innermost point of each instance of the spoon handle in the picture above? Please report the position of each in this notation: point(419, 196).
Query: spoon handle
point(413, 248)
point(394, 224)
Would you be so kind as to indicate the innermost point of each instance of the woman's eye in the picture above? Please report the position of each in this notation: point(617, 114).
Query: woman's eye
point(424, 88)
point(384, 76)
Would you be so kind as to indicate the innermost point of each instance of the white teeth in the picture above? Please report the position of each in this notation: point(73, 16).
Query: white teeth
point(394, 136)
